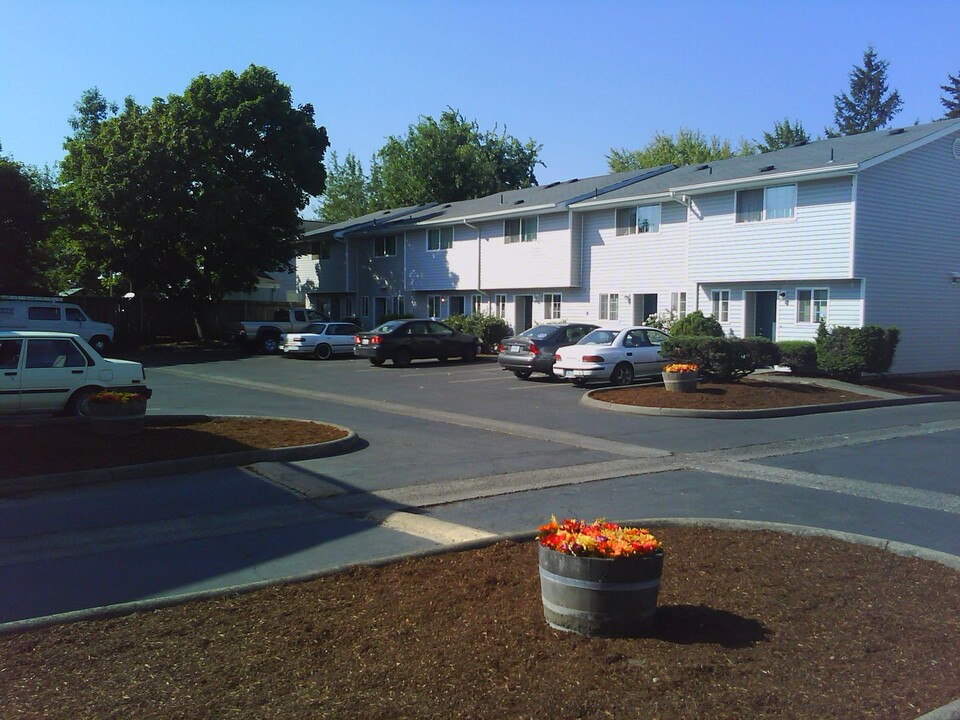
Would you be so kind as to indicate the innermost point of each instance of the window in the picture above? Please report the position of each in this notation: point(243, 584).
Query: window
point(320, 250)
point(440, 238)
point(773, 203)
point(500, 305)
point(433, 306)
point(643, 219)
point(477, 304)
point(812, 304)
point(721, 305)
point(520, 230)
point(74, 314)
point(385, 246)
point(10, 354)
point(44, 353)
point(551, 306)
point(678, 304)
point(364, 306)
point(396, 305)
point(608, 307)
point(457, 305)
point(43, 312)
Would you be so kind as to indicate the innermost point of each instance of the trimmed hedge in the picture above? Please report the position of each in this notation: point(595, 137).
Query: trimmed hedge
point(847, 353)
point(798, 355)
point(488, 328)
point(722, 359)
point(696, 323)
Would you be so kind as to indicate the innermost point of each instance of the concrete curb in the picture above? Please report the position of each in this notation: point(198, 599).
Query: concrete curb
point(41, 483)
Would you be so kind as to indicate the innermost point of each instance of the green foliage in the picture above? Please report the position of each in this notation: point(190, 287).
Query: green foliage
point(798, 355)
point(23, 229)
point(696, 323)
point(198, 194)
point(447, 160)
point(690, 147)
point(784, 135)
point(869, 106)
point(951, 102)
point(847, 353)
point(722, 359)
point(347, 194)
point(489, 328)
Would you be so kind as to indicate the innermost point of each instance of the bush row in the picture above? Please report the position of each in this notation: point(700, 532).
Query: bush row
point(489, 328)
point(722, 359)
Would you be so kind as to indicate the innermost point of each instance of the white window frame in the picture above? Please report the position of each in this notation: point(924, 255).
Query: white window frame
point(395, 305)
point(518, 230)
point(476, 305)
point(500, 305)
point(720, 303)
point(434, 305)
point(638, 220)
point(552, 303)
point(816, 308)
point(381, 246)
point(364, 306)
point(678, 304)
point(440, 238)
point(609, 306)
point(766, 213)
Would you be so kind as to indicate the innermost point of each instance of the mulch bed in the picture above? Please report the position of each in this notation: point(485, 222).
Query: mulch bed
point(750, 625)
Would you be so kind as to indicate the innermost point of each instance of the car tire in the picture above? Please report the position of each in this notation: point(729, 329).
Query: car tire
point(377, 361)
point(523, 374)
point(100, 343)
point(72, 408)
point(402, 358)
point(469, 353)
point(323, 352)
point(622, 374)
point(269, 344)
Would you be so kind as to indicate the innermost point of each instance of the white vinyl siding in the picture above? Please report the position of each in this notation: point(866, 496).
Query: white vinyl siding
point(454, 268)
point(546, 263)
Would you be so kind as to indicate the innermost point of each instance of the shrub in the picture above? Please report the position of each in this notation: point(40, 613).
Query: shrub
point(696, 323)
point(847, 353)
point(722, 359)
point(488, 328)
point(798, 355)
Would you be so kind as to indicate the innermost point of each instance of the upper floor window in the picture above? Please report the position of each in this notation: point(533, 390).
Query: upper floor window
point(520, 230)
point(551, 306)
point(609, 309)
point(320, 250)
point(440, 238)
point(772, 203)
point(721, 305)
point(812, 304)
point(642, 219)
point(385, 246)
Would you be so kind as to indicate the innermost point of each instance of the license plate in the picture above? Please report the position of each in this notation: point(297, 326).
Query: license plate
point(365, 341)
point(514, 348)
point(568, 373)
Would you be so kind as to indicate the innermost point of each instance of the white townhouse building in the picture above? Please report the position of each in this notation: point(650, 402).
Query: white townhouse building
point(856, 230)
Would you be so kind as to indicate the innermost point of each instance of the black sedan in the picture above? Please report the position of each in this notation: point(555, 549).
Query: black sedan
point(404, 340)
point(532, 350)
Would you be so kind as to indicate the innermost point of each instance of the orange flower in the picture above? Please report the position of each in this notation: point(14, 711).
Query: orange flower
point(596, 539)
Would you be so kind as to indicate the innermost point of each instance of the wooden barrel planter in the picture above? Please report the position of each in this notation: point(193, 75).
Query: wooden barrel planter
point(604, 597)
point(126, 418)
point(680, 381)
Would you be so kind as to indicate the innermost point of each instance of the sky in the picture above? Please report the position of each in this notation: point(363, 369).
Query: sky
point(579, 78)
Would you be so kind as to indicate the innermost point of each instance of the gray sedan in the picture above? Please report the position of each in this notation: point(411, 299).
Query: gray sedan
point(321, 340)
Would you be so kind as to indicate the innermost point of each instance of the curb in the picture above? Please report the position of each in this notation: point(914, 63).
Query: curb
point(40, 483)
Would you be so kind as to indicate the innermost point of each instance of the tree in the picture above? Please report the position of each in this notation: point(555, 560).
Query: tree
point(784, 135)
point(347, 194)
point(869, 106)
point(447, 160)
point(690, 147)
point(22, 228)
point(952, 101)
point(199, 193)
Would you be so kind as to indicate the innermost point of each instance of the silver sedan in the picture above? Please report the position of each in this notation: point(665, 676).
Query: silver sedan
point(321, 340)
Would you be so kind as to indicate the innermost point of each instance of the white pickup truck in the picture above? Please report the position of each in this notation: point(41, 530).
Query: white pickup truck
point(265, 336)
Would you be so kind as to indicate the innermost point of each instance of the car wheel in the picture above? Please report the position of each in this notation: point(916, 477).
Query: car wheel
point(323, 352)
point(72, 408)
point(269, 344)
point(402, 358)
point(100, 343)
point(377, 361)
point(622, 374)
point(523, 374)
point(469, 353)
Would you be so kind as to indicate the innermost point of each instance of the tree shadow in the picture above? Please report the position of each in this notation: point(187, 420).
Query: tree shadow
point(699, 624)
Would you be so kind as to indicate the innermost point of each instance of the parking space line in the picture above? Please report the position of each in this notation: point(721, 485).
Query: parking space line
point(439, 531)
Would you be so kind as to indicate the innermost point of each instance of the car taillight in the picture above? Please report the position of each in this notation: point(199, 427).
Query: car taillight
point(356, 339)
point(375, 340)
point(593, 358)
point(556, 356)
point(499, 347)
point(296, 338)
point(534, 349)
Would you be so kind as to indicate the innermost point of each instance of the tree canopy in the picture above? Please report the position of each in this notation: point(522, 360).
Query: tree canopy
point(784, 135)
point(347, 194)
point(952, 99)
point(870, 105)
point(197, 194)
point(690, 147)
point(23, 228)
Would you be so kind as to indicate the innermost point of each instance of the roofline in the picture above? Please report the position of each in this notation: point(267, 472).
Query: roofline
point(758, 180)
point(919, 142)
point(609, 202)
point(513, 210)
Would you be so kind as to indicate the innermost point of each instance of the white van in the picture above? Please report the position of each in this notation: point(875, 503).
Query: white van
point(47, 314)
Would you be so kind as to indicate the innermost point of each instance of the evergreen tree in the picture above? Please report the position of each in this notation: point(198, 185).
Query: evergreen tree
point(784, 135)
point(952, 101)
point(870, 105)
point(347, 194)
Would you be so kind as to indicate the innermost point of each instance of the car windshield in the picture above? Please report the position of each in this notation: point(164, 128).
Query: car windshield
point(599, 337)
point(541, 332)
point(388, 327)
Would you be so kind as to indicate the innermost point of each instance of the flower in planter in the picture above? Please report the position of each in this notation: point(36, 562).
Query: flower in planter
point(681, 367)
point(114, 397)
point(596, 539)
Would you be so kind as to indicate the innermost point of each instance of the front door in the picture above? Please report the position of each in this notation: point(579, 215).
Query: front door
point(523, 315)
point(644, 306)
point(765, 315)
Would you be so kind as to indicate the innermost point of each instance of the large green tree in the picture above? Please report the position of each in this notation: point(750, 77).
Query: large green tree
point(450, 159)
point(689, 147)
point(23, 228)
point(197, 194)
point(952, 99)
point(347, 194)
point(784, 135)
point(870, 104)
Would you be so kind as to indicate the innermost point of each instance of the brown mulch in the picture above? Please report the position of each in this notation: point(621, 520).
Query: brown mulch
point(750, 625)
point(161, 439)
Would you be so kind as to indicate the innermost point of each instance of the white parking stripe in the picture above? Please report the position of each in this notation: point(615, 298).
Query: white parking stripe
point(439, 531)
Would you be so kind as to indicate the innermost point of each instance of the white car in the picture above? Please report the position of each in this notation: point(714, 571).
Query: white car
point(616, 355)
point(323, 340)
point(52, 372)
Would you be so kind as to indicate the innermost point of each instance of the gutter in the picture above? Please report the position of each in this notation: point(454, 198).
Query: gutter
point(760, 180)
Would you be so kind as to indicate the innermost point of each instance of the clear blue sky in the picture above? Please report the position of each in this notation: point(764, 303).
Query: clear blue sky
point(578, 77)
